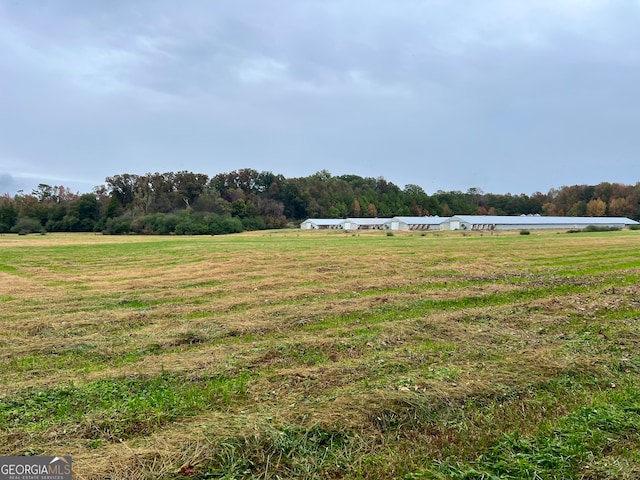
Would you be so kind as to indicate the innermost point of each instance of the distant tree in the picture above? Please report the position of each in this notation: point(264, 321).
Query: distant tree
point(578, 209)
point(189, 186)
point(114, 207)
point(143, 196)
point(211, 201)
point(459, 203)
point(156, 192)
point(295, 199)
point(573, 200)
point(267, 182)
point(43, 193)
point(84, 213)
point(624, 207)
point(596, 208)
point(247, 179)
point(475, 194)
point(322, 175)
point(355, 208)
point(549, 209)
point(8, 214)
point(123, 187)
point(268, 207)
point(604, 191)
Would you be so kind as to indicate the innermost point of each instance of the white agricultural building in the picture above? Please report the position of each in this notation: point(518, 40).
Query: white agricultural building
point(365, 224)
point(322, 224)
point(416, 223)
point(465, 222)
point(531, 222)
point(345, 224)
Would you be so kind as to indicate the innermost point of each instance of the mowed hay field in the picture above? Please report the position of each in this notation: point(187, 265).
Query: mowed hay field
point(294, 354)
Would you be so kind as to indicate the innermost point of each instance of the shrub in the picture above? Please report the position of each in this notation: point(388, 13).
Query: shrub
point(525, 232)
point(27, 225)
point(634, 227)
point(601, 228)
point(117, 226)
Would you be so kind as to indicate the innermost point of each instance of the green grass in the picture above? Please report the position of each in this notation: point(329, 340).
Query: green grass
point(591, 442)
point(120, 407)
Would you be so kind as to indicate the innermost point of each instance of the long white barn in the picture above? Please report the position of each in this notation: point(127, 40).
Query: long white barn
point(395, 223)
point(465, 222)
point(504, 222)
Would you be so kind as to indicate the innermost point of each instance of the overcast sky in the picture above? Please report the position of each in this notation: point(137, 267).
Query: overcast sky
point(504, 95)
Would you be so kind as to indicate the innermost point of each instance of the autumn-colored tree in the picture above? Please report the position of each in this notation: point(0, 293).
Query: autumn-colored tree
point(596, 208)
point(549, 209)
point(622, 207)
point(355, 208)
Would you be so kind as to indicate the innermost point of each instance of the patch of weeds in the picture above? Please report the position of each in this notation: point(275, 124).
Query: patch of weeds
point(80, 357)
point(95, 443)
point(191, 337)
point(365, 334)
point(198, 315)
point(436, 346)
point(122, 407)
point(402, 413)
point(284, 452)
point(564, 449)
point(8, 268)
point(133, 303)
point(450, 374)
point(297, 353)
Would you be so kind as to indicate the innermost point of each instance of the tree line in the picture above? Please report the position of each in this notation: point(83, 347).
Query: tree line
point(195, 203)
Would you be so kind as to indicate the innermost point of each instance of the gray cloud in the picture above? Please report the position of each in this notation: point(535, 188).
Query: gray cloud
point(506, 96)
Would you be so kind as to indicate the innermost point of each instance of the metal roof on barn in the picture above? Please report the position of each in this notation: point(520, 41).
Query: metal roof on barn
point(435, 220)
point(324, 221)
point(541, 220)
point(367, 221)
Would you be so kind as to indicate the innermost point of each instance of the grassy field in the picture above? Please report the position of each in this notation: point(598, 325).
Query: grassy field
point(324, 355)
